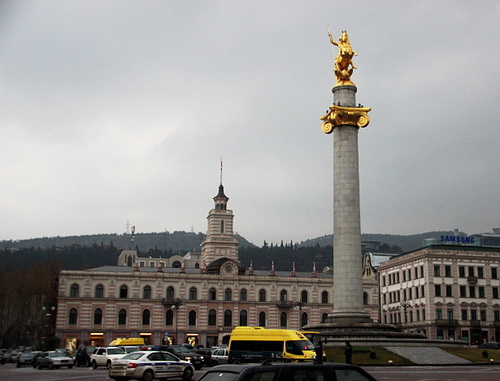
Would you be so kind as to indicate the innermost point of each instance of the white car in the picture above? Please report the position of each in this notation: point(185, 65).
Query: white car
point(219, 356)
point(54, 360)
point(104, 356)
point(148, 365)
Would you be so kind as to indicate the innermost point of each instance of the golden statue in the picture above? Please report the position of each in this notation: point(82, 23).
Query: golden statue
point(343, 62)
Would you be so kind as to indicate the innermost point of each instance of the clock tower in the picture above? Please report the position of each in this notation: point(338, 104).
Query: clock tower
point(220, 241)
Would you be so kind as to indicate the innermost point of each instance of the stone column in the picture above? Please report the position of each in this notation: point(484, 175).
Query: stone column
point(344, 119)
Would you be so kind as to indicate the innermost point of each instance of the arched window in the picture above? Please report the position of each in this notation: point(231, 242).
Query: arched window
point(170, 293)
point(123, 292)
point(303, 320)
point(283, 296)
point(73, 316)
point(324, 297)
point(243, 295)
point(212, 317)
point(228, 295)
point(193, 293)
point(146, 315)
point(146, 293)
point(222, 227)
point(74, 291)
point(243, 318)
point(228, 318)
point(122, 317)
point(324, 317)
point(169, 317)
point(98, 316)
point(99, 291)
point(365, 298)
point(129, 261)
point(262, 319)
point(176, 265)
point(192, 317)
point(262, 295)
point(283, 320)
point(212, 294)
point(303, 296)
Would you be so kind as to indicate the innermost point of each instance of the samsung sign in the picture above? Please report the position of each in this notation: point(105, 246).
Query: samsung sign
point(456, 239)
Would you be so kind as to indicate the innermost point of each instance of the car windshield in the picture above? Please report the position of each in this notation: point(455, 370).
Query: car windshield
point(27, 355)
point(181, 349)
point(219, 376)
point(56, 354)
point(304, 344)
point(133, 356)
point(115, 351)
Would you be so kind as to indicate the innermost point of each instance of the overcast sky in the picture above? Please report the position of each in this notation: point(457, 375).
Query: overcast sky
point(116, 111)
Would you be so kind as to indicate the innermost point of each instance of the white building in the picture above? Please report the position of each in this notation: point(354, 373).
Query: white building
point(446, 292)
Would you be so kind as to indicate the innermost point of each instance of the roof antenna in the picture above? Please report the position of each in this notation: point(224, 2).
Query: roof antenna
point(221, 170)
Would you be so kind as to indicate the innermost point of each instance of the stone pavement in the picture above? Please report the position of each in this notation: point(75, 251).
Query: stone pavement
point(427, 355)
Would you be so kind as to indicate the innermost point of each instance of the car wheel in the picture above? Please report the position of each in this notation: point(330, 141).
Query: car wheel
point(18, 364)
point(148, 376)
point(214, 363)
point(94, 365)
point(188, 374)
point(39, 366)
point(108, 364)
point(70, 366)
point(77, 363)
point(87, 362)
point(198, 366)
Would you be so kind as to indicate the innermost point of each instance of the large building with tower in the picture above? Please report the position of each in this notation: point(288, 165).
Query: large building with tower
point(197, 298)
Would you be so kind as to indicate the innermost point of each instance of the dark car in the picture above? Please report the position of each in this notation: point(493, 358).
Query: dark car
point(287, 371)
point(25, 359)
point(183, 353)
point(82, 356)
point(206, 354)
point(490, 345)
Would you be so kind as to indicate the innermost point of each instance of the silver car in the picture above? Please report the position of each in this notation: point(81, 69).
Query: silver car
point(148, 365)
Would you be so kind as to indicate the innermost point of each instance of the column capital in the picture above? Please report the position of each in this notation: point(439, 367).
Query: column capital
point(342, 115)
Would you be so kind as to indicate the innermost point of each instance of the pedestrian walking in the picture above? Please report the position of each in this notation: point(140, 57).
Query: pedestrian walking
point(348, 352)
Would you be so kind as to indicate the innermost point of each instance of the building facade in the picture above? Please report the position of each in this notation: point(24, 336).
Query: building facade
point(198, 298)
point(445, 292)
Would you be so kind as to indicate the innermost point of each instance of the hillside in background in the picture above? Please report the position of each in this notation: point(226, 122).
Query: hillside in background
point(80, 252)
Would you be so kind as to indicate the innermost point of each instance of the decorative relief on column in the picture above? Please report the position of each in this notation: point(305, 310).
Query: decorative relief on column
point(340, 115)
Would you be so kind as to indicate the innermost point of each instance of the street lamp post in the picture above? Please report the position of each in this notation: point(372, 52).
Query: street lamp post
point(299, 305)
point(405, 305)
point(176, 304)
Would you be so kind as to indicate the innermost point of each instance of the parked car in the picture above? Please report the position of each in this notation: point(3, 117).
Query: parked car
point(25, 359)
point(104, 356)
point(82, 356)
point(219, 356)
point(490, 345)
point(148, 365)
point(54, 360)
point(287, 371)
point(184, 354)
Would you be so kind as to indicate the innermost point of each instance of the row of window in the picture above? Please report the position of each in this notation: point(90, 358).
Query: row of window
point(395, 296)
point(396, 317)
point(192, 318)
point(465, 291)
point(193, 293)
point(418, 272)
point(395, 278)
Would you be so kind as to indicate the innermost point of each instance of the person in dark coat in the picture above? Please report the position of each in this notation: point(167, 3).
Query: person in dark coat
point(348, 353)
point(319, 351)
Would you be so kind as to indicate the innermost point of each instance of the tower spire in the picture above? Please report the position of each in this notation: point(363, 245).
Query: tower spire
point(221, 170)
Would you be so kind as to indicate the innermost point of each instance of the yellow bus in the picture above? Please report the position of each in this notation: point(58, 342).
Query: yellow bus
point(257, 344)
